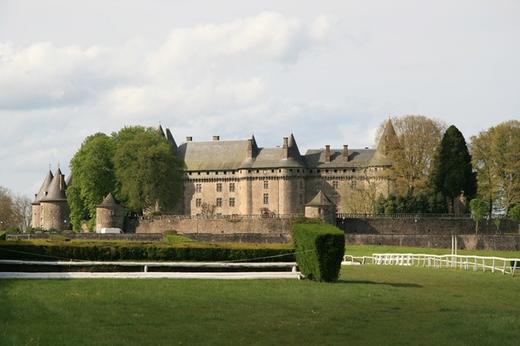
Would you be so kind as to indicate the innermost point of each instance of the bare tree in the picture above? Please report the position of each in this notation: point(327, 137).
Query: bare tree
point(419, 138)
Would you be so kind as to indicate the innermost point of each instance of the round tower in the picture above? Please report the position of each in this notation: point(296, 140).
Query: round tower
point(54, 209)
point(110, 214)
point(36, 205)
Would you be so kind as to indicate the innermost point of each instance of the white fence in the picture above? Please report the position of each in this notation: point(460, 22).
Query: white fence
point(248, 273)
point(466, 262)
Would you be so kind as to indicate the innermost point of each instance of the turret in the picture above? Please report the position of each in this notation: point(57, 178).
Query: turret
point(54, 208)
point(36, 207)
point(110, 214)
point(389, 140)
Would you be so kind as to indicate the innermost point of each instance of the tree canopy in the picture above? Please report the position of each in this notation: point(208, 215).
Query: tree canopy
point(452, 170)
point(419, 138)
point(136, 164)
point(496, 158)
point(147, 170)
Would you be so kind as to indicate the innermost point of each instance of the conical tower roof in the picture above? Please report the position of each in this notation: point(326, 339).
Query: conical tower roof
point(109, 202)
point(170, 139)
point(56, 190)
point(320, 200)
point(389, 140)
point(43, 188)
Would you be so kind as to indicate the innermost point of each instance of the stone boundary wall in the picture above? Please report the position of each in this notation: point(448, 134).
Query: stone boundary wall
point(239, 237)
point(86, 236)
point(466, 241)
point(254, 228)
point(438, 225)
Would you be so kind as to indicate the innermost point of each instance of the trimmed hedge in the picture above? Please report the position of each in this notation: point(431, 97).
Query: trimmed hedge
point(319, 250)
point(49, 251)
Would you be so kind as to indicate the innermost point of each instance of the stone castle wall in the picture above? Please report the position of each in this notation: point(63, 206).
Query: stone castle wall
point(428, 225)
point(225, 227)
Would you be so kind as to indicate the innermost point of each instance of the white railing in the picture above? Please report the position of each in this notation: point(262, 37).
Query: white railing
point(466, 262)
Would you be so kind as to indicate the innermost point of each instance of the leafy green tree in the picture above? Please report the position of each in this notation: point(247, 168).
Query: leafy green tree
point(148, 172)
point(479, 209)
point(93, 175)
point(496, 158)
point(452, 170)
point(514, 213)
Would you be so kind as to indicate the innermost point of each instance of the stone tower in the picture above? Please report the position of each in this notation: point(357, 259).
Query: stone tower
point(54, 209)
point(36, 207)
point(321, 207)
point(110, 214)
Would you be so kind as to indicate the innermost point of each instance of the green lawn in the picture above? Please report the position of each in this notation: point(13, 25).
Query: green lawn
point(371, 305)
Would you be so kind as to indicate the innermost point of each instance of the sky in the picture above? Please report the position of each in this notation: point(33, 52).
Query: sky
point(328, 71)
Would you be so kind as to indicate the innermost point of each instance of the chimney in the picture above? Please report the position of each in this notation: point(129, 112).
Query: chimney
point(285, 147)
point(250, 148)
point(216, 138)
point(327, 153)
point(345, 151)
point(189, 138)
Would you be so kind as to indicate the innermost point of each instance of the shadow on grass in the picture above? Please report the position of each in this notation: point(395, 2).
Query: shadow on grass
point(392, 284)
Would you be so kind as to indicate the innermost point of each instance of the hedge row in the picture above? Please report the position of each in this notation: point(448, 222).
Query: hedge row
point(145, 252)
point(319, 250)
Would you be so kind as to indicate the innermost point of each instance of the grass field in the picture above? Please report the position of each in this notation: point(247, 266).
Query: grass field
point(371, 305)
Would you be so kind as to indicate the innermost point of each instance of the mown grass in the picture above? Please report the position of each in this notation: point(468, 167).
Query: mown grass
point(371, 305)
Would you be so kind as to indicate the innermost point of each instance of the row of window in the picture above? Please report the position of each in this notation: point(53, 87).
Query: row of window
point(279, 171)
point(198, 186)
point(218, 201)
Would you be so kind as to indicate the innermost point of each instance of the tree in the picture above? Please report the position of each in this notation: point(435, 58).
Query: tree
point(479, 209)
point(93, 175)
point(148, 172)
point(15, 211)
point(452, 171)
point(419, 138)
point(496, 158)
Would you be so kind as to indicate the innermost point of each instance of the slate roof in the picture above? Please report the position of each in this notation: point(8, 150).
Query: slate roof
point(214, 155)
point(319, 200)
point(56, 189)
point(109, 202)
point(43, 188)
point(315, 158)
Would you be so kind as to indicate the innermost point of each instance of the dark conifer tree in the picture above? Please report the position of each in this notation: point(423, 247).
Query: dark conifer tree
point(452, 170)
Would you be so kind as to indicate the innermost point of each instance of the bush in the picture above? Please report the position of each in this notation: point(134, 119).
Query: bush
point(107, 251)
point(3, 235)
point(319, 250)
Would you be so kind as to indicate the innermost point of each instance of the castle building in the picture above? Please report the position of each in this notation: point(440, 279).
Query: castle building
point(238, 177)
point(50, 209)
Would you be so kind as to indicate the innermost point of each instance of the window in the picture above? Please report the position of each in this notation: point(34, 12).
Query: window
point(231, 187)
point(232, 202)
point(335, 184)
point(266, 184)
point(266, 198)
point(198, 202)
point(219, 187)
point(219, 202)
point(198, 187)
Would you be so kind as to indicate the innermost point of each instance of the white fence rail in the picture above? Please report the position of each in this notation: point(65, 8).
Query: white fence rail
point(466, 262)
